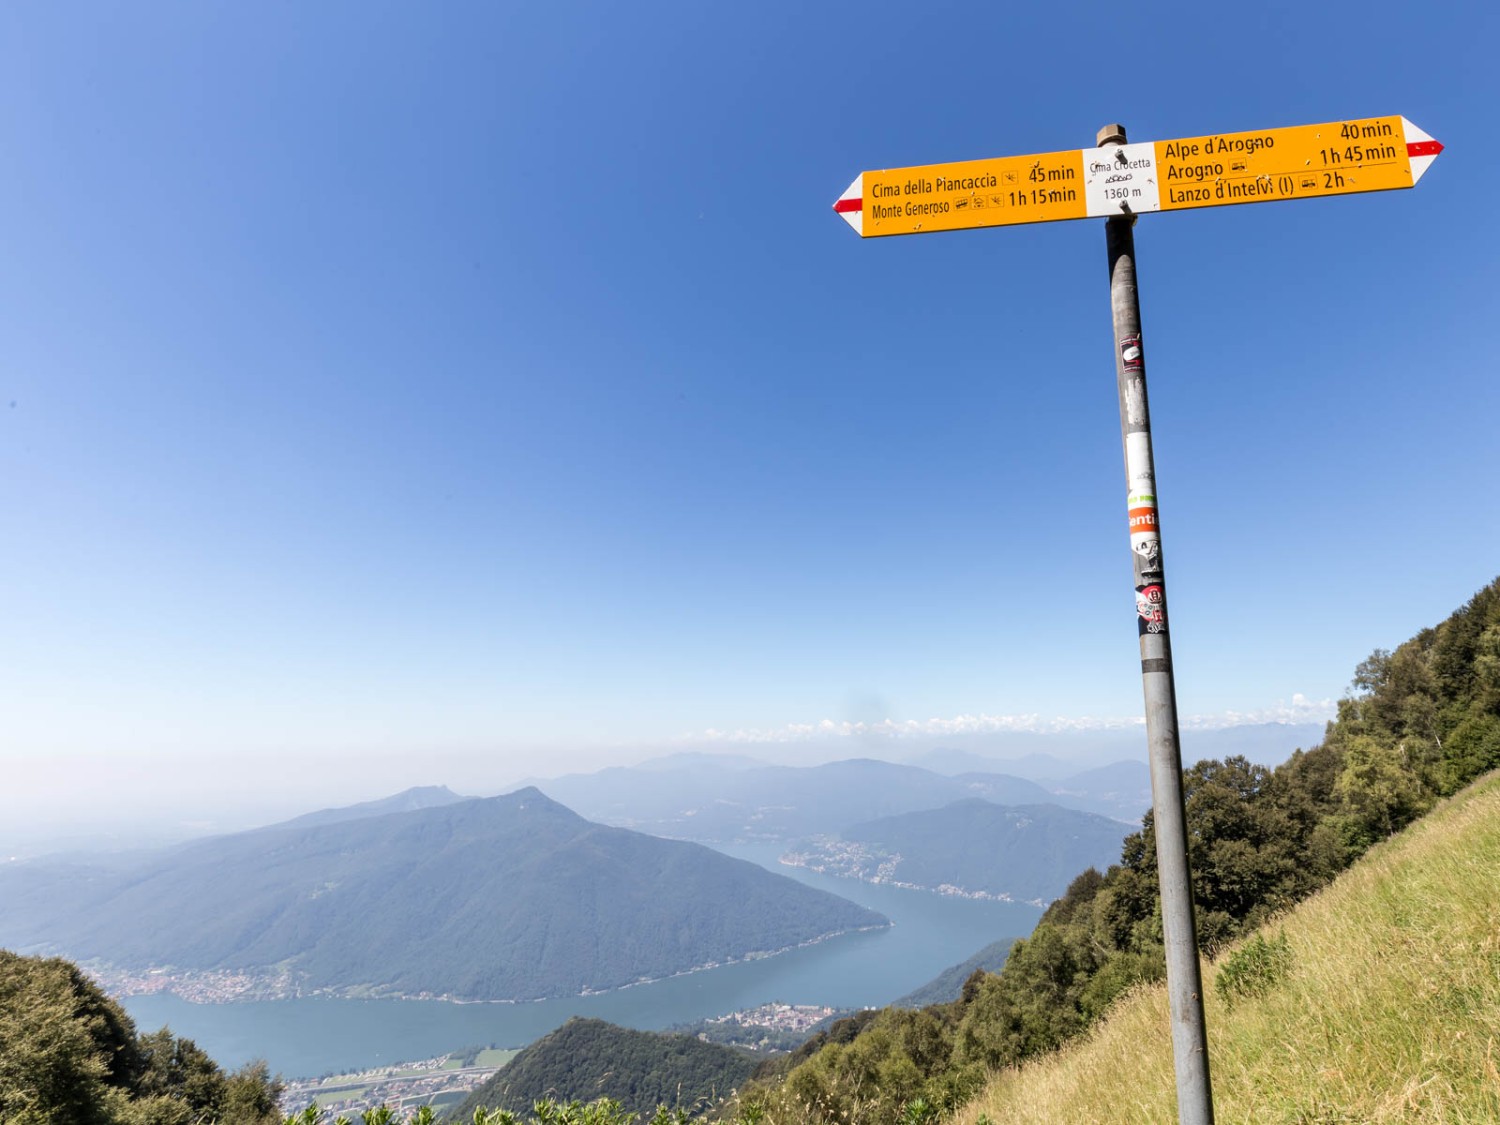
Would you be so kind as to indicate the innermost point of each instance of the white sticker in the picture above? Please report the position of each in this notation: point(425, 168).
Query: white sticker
point(1120, 179)
point(1147, 548)
point(1140, 474)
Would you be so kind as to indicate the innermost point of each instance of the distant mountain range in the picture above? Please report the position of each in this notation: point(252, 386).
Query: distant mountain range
point(1046, 757)
point(408, 800)
point(703, 800)
point(724, 799)
point(508, 898)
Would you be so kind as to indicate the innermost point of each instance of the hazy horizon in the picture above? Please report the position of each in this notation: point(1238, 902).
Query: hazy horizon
point(178, 799)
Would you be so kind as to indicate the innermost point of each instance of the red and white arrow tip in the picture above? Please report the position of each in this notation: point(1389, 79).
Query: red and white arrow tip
point(1421, 149)
point(851, 205)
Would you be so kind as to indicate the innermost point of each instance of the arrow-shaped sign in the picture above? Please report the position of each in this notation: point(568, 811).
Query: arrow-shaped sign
point(1300, 162)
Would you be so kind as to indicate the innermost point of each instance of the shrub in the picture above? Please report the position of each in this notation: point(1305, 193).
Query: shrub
point(1254, 968)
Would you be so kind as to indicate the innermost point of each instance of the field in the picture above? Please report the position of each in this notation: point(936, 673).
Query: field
point(438, 1082)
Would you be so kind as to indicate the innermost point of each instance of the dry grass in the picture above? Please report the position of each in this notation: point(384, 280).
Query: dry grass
point(1390, 1011)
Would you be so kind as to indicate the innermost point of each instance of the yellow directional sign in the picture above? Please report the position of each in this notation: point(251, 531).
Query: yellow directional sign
point(976, 193)
point(1299, 162)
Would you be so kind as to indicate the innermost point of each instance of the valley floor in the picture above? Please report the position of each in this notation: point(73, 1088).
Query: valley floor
point(438, 1082)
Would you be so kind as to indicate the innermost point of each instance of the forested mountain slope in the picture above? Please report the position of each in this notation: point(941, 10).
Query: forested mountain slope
point(948, 985)
point(513, 897)
point(587, 1059)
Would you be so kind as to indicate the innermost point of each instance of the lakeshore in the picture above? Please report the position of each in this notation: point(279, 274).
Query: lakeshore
point(230, 986)
point(314, 1035)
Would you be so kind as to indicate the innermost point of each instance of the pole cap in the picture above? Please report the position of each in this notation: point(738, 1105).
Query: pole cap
point(1111, 135)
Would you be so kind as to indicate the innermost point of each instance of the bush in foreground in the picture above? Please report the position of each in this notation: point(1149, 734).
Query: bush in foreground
point(604, 1111)
point(69, 1055)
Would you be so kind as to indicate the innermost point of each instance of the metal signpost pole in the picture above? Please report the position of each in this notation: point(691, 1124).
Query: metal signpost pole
point(1116, 181)
point(1184, 982)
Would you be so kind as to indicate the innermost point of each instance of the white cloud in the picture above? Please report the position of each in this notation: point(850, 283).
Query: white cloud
point(1299, 710)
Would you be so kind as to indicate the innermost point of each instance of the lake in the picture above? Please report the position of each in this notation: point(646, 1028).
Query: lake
point(306, 1038)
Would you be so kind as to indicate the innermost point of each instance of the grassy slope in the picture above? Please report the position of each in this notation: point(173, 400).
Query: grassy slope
point(1391, 1011)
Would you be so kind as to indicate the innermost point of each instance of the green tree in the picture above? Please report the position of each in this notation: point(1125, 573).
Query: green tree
point(251, 1094)
point(69, 1055)
point(178, 1069)
point(1381, 793)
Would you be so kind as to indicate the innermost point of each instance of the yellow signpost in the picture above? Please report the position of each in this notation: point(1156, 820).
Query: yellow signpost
point(1117, 181)
point(975, 193)
point(1298, 162)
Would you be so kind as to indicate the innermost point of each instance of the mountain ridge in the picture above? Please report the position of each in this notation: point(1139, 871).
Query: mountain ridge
point(789, 803)
point(504, 898)
point(408, 800)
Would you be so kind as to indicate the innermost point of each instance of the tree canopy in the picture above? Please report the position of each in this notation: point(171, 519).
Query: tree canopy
point(69, 1055)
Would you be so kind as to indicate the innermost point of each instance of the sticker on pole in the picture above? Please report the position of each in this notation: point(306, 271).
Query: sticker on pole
point(1151, 608)
point(1146, 546)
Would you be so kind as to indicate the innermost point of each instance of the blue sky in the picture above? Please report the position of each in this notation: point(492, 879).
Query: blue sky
point(407, 393)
